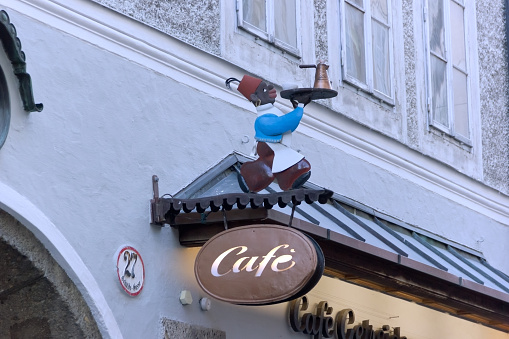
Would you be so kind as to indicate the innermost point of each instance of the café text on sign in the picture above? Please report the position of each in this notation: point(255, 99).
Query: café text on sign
point(258, 265)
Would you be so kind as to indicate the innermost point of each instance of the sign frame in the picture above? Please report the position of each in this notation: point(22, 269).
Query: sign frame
point(260, 264)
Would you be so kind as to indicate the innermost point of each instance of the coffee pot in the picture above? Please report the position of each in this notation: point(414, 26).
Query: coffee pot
point(321, 78)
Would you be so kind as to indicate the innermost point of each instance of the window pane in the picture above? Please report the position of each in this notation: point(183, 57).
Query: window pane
point(285, 21)
point(381, 62)
point(355, 50)
point(437, 27)
point(380, 11)
point(460, 103)
point(458, 36)
point(253, 12)
point(358, 3)
point(439, 91)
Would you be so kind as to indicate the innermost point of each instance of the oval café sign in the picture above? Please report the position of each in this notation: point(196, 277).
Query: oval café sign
point(259, 265)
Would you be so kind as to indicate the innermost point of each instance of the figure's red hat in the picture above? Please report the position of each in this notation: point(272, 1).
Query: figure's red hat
point(248, 85)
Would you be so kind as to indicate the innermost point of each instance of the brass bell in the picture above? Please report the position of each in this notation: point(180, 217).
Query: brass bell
point(321, 78)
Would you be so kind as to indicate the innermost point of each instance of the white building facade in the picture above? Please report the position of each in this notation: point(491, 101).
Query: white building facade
point(417, 136)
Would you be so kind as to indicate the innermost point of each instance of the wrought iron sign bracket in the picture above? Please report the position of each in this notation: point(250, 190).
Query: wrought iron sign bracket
point(155, 213)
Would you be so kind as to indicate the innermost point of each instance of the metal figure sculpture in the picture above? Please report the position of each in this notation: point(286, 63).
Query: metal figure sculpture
point(273, 131)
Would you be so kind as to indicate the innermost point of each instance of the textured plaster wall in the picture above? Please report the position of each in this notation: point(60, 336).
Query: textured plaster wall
point(494, 84)
point(321, 41)
point(412, 115)
point(195, 22)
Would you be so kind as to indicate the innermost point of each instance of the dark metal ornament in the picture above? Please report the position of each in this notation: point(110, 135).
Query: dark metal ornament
point(5, 113)
point(12, 47)
point(315, 93)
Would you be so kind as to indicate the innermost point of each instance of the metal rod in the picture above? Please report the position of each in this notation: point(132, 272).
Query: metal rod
point(224, 219)
point(155, 188)
point(291, 216)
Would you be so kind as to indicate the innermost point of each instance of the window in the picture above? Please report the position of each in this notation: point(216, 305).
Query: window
point(448, 81)
point(274, 21)
point(366, 49)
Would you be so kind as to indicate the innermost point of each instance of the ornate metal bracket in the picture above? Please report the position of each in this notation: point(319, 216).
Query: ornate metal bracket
point(164, 210)
point(12, 47)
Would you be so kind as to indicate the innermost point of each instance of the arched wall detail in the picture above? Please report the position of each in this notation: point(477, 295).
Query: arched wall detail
point(64, 254)
point(12, 47)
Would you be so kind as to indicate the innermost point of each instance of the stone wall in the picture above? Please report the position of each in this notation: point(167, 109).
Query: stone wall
point(37, 298)
point(179, 330)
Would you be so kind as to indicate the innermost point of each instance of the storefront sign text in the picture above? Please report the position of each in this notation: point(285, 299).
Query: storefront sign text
point(250, 265)
point(258, 265)
point(322, 324)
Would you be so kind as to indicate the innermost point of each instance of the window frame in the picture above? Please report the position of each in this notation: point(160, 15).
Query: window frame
point(450, 67)
point(269, 35)
point(369, 86)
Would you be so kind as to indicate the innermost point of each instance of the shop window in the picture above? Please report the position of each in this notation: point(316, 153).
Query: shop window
point(366, 47)
point(274, 21)
point(447, 64)
point(5, 114)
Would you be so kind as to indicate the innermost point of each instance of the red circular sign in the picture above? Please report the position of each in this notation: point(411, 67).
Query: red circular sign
point(130, 270)
point(258, 265)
